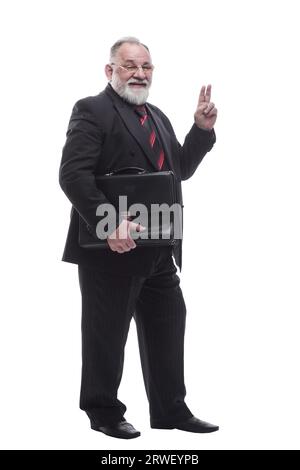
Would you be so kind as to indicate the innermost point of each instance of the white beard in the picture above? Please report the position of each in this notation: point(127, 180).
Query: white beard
point(137, 97)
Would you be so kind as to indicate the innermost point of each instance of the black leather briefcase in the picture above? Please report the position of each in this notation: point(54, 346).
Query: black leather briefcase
point(156, 191)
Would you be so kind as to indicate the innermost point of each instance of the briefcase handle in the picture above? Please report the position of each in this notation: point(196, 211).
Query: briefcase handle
point(127, 170)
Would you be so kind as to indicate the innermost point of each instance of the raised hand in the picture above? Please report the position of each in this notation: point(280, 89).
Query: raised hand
point(206, 113)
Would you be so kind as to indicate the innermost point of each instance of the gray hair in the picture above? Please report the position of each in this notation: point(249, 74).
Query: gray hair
point(132, 40)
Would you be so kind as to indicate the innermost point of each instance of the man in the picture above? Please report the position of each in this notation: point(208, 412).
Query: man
point(108, 132)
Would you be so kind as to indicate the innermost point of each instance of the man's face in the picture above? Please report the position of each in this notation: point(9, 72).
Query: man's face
point(130, 83)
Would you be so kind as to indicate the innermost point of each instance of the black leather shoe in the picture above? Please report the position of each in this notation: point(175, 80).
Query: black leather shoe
point(122, 430)
point(194, 424)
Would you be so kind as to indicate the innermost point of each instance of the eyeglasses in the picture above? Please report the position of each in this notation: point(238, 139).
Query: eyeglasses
point(132, 69)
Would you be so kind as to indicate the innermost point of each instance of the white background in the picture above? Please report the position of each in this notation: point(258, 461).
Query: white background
point(240, 275)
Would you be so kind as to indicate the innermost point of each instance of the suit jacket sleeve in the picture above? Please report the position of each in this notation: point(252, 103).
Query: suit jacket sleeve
point(196, 145)
point(80, 157)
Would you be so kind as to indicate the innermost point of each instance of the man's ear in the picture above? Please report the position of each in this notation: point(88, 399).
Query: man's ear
point(108, 71)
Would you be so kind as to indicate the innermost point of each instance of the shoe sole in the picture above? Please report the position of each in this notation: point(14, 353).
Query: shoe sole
point(118, 436)
point(204, 431)
point(163, 427)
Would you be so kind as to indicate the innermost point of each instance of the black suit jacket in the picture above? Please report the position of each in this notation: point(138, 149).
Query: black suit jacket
point(104, 134)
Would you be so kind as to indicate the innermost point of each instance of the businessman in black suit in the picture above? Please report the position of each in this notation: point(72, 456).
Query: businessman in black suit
point(107, 132)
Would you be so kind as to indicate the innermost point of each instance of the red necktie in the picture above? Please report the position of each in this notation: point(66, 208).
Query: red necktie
point(152, 137)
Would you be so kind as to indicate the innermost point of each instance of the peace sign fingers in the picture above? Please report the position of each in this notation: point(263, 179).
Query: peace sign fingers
point(206, 114)
point(205, 95)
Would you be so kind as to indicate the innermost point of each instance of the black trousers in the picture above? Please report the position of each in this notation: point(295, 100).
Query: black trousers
point(109, 301)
